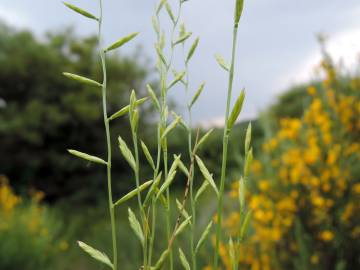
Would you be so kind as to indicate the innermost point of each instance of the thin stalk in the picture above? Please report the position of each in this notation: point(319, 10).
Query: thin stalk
point(225, 149)
point(153, 201)
point(141, 207)
point(108, 142)
point(191, 157)
point(165, 153)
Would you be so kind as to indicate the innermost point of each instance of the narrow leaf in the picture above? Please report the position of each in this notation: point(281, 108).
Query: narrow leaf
point(121, 42)
point(221, 62)
point(126, 109)
point(87, 157)
point(197, 94)
point(81, 11)
point(183, 260)
point(205, 172)
point(133, 193)
point(192, 50)
point(97, 255)
point(82, 79)
point(203, 236)
point(135, 226)
point(236, 110)
point(125, 151)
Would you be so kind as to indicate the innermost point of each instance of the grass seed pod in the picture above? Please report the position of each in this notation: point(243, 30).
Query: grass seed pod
point(248, 138)
point(192, 49)
point(148, 155)
point(161, 260)
point(135, 226)
point(96, 254)
point(81, 11)
point(197, 94)
point(153, 97)
point(236, 110)
point(125, 151)
point(205, 172)
point(133, 193)
point(183, 260)
point(203, 236)
point(245, 226)
point(126, 109)
point(121, 42)
point(182, 226)
point(238, 11)
point(200, 191)
point(87, 157)
point(220, 60)
point(82, 79)
point(183, 38)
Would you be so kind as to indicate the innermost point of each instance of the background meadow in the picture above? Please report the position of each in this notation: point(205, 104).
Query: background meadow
point(304, 186)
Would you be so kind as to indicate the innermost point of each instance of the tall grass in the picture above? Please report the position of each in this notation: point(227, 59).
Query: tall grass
point(158, 195)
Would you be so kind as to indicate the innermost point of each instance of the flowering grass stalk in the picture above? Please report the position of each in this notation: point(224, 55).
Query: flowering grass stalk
point(159, 187)
point(227, 129)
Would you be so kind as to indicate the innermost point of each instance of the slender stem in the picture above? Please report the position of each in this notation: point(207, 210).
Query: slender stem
point(153, 201)
point(165, 153)
point(225, 149)
point(192, 200)
point(140, 205)
point(108, 142)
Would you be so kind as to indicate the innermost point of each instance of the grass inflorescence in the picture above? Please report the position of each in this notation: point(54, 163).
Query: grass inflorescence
point(155, 195)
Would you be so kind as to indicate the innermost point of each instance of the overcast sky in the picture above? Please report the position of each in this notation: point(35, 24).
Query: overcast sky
point(277, 43)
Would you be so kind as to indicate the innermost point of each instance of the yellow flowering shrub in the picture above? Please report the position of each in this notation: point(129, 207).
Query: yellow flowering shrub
point(306, 186)
point(29, 234)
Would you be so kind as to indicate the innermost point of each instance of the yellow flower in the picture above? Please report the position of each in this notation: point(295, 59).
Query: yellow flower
point(311, 90)
point(326, 236)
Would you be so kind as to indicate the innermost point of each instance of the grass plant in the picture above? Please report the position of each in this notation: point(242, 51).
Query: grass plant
point(158, 195)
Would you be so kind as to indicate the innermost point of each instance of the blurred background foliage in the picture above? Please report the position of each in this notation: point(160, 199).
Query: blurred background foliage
point(304, 190)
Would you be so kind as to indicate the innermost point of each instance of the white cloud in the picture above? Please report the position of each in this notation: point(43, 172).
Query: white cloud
point(344, 47)
point(13, 17)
